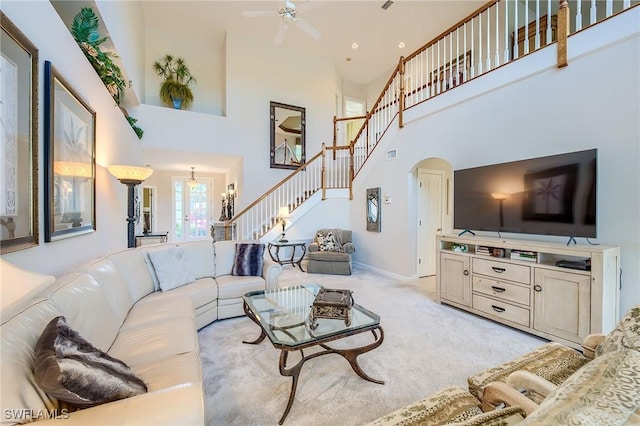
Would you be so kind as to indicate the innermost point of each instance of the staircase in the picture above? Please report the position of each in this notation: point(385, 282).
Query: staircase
point(498, 33)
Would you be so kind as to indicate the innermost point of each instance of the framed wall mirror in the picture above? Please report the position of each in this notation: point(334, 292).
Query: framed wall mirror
point(287, 136)
point(18, 140)
point(373, 210)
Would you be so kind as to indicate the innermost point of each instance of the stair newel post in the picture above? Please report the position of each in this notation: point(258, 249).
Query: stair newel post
point(323, 173)
point(402, 89)
point(335, 135)
point(563, 32)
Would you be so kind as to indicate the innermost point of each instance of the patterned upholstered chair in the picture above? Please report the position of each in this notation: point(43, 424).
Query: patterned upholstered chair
point(452, 405)
point(540, 372)
point(330, 252)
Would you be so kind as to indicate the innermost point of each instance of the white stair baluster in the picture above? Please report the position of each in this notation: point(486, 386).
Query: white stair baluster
point(537, 38)
point(593, 11)
point(549, 22)
point(609, 8)
point(506, 32)
point(516, 52)
point(480, 44)
point(497, 59)
point(526, 26)
point(579, 16)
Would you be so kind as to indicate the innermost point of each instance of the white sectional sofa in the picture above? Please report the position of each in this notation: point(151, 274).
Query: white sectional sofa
point(113, 302)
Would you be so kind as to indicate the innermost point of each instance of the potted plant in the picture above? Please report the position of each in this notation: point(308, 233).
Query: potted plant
point(84, 30)
point(175, 90)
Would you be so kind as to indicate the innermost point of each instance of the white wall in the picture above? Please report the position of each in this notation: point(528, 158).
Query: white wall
point(125, 24)
point(116, 143)
point(528, 109)
point(257, 74)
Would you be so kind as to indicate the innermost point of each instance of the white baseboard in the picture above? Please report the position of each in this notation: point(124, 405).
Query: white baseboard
point(402, 278)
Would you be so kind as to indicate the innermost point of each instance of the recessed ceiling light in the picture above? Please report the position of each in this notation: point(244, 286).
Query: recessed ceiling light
point(354, 45)
point(348, 59)
point(401, 45)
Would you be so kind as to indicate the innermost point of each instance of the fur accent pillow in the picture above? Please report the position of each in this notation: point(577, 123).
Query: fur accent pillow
point(249, 259)
point(69, 368)
point(328, 242)
point(171, 268)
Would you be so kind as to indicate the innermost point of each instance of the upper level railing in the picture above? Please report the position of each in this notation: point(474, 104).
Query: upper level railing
point(499, 32)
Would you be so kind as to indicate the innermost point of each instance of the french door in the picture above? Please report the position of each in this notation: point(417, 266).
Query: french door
point(192, 212)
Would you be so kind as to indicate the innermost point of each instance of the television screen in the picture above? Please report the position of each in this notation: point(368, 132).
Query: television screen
point(554, 195)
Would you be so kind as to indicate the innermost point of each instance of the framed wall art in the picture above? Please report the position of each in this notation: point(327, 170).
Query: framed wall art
point(69, 160)
point(18, 139)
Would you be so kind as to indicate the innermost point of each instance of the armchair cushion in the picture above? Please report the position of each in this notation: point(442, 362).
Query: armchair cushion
point(625, 335)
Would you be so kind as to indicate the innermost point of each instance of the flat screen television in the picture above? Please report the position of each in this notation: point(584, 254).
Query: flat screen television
point(554, 195)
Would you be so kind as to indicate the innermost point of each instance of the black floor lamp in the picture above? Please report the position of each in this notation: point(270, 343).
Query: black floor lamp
point(130, 176)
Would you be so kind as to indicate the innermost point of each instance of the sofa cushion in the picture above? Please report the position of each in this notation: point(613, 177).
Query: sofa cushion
point(152, 342)
point(17, 283)
point(20, 332)
point(199, 256)
point(171, 371)
point(230, 286)
point(452, 404)
point(171, 268)
point(107, 275)
point(84, 303)
point(625, 335)
point(134, 270)
point(158, 307)
point(248, 260)
point(606, 391)
point(71, 369)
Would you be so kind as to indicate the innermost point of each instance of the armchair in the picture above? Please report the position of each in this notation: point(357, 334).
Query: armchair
point(330, 252)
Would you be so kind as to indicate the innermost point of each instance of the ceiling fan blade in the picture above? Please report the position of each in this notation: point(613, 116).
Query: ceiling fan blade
point(307, 28)
point(280, 34)
point(258, 14)
point(309, 5)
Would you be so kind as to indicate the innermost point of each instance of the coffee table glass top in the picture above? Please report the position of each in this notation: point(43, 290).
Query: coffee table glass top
point(284, 315)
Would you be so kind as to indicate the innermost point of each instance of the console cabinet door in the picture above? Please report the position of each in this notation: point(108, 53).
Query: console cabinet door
point(455, 281)
point(562, 303)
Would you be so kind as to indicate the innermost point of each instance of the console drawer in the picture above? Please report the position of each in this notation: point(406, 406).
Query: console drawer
point(502, 290)
point(502, 310)
point(502, 270)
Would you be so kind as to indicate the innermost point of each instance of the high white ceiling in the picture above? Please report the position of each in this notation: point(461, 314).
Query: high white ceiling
point(341, 23)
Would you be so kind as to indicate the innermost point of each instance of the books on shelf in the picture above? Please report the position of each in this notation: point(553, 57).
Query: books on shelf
point(483, 250)
point(530, 256)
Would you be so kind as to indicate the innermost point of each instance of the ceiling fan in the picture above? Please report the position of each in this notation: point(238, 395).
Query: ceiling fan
point(289, 12)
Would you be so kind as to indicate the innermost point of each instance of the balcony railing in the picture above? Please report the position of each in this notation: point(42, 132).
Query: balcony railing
point(499, 32)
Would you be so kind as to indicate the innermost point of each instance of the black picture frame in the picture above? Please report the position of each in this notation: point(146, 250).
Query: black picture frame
point(69, 160)
point(549, 194)
point(287, 136)
point(19, 144)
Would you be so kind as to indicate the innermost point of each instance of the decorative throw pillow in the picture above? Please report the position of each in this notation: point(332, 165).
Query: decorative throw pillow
point(248, 259)
point(327, 242)
point(69, 368)
point(171, 268)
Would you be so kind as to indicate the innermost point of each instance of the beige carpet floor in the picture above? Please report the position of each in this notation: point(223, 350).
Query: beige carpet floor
point(427, 347)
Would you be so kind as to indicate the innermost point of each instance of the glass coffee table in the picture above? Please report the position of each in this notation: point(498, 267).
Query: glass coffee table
point(283, 316)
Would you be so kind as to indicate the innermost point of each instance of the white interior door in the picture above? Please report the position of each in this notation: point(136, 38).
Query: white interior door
point(192, 209)
point(430, 206)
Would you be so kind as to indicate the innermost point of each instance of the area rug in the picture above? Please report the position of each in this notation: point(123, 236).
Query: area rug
point(427, 347)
